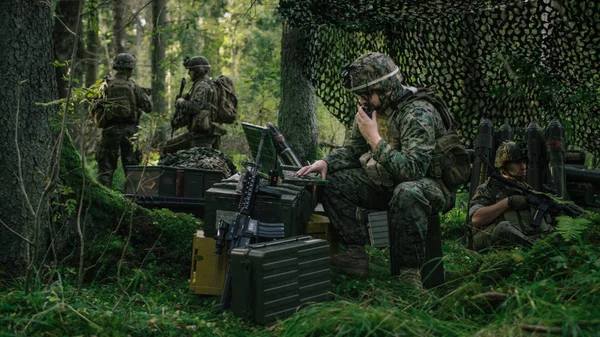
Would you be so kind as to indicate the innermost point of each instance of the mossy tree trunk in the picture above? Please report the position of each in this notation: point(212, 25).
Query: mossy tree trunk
point(298, 108)
point(28, 78)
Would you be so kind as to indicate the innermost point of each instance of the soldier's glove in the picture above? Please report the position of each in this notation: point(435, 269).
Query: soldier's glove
point(518, 202)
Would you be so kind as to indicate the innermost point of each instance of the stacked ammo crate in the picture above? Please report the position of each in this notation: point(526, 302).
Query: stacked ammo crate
point(178, 189)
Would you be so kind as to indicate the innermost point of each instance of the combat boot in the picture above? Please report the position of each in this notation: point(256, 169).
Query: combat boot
point(353, 260)
point(412, 277)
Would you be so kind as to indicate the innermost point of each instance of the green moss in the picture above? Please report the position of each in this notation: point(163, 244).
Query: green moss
point(160, 238)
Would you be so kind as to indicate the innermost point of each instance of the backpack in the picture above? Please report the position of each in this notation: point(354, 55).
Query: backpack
point(450, 163)
point(117, 102)
point(224, 100)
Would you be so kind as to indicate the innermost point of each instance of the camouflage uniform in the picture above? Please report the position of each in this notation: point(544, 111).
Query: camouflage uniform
point(512, 227)
point(197, 109)
point(120, 134)
point(394, 177)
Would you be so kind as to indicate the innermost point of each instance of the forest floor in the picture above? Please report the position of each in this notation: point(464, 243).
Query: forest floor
point(551, 289)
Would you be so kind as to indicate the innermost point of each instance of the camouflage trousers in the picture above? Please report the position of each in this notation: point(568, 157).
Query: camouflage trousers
point(502, 234)
point(409, 206)
point(114, 138)
point(189, 140)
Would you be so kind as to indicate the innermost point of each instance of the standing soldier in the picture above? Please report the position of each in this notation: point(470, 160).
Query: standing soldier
point(117, 114)
point(390, 163)
point(195, 111)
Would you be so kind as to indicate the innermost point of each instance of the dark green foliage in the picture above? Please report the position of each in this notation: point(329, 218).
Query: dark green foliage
point(552, 286)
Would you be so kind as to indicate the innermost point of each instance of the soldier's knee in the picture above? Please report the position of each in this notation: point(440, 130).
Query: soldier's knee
point(407, 191)
point(505, 227)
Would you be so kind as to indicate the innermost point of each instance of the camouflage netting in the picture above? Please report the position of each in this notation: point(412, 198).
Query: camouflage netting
point(510, 61)
point(200, 158)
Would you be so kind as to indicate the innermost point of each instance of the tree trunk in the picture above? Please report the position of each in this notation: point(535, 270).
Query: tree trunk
point(63, 36)
point(119, 32)
point(92, 49)
point(298, 108)
point(158, 55)
point(29, 78)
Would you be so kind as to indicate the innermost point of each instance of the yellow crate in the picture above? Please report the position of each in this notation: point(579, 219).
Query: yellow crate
point(208, 269)
point(319, 227)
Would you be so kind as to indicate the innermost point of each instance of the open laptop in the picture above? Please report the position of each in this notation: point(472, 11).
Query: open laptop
point(269, 159)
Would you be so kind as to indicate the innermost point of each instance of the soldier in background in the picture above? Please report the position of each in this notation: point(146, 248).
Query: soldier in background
point(384, 166)
point(116, 112)
point(501, 216)
point(194, 111)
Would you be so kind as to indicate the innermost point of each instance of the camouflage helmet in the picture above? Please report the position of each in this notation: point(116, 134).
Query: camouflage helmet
point(369, 72)
point(196, 62)
point(124, 61)
point(509, 151)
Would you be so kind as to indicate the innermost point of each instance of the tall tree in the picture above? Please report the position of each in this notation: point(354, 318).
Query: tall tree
point(92, 49)
point(29, 78)
point(63, 35)
point(158, 56)
point(298, 108)
point(119, 32)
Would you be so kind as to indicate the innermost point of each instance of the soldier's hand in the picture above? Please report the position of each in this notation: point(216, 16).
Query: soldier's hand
point(319, 166)
point(518, 202)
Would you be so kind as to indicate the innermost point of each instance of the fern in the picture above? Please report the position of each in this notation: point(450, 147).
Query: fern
point(570, 228)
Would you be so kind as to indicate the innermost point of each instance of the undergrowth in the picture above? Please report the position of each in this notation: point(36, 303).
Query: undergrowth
point(551, 289)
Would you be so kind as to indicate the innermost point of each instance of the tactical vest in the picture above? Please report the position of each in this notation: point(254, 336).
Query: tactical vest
point(120, 103)
point(522, 220)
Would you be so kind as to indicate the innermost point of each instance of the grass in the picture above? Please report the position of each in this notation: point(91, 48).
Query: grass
point(552, 289)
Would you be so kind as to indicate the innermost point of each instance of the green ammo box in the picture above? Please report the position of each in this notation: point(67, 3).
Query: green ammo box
point(195, 182)
point(294, 208)
point(150, 181)
point(274, 279)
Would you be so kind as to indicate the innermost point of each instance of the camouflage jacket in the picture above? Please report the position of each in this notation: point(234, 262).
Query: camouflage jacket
point(491, 192)
point(198, 100)
point(405, 151)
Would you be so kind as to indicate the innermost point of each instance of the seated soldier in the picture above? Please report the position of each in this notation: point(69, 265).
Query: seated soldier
point(500, 215)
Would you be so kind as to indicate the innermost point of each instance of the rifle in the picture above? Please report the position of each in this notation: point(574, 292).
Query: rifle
point(243, 228)
point(177, 116)
point(543, 202)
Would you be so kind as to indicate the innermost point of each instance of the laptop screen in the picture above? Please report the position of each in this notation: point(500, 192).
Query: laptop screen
point(268, 157)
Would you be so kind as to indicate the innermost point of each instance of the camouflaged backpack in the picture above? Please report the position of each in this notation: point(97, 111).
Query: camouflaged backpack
point(224, 100)
point(117, 102)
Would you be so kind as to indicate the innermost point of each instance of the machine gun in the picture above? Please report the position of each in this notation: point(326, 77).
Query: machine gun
point(243, 229)
point(177, 119)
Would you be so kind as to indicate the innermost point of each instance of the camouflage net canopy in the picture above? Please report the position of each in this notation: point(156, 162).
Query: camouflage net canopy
point(511, 61)
point(200, 158)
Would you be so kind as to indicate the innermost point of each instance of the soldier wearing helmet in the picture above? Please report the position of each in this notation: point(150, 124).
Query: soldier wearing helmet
point(194, 111)
point(116, 112)
point(501, 216)
point(385, 166)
